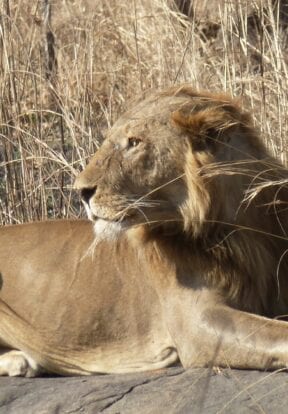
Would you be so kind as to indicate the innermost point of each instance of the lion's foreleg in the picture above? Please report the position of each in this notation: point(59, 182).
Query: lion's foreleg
point(208, 334)
point(18, 364)
point(242, 340)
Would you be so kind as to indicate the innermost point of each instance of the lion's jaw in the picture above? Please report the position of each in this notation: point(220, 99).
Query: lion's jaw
point(104, 229)
point(107, 230)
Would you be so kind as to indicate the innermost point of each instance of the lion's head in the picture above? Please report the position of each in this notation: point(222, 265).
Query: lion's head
point(179, 161)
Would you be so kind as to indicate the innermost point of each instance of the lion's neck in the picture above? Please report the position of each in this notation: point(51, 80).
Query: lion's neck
point(229, 262)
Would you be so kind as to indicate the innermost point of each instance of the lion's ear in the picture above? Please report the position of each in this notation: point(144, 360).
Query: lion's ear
point(206, 127)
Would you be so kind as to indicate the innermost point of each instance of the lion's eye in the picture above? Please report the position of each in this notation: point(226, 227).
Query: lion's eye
point(133, 142)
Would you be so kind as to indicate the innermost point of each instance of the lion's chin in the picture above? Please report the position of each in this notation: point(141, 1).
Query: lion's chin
point(107, 230)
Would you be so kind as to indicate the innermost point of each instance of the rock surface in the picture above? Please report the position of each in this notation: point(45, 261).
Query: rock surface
point(166, 391)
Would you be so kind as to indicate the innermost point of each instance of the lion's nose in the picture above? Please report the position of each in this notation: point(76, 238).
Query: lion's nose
point(87, 193)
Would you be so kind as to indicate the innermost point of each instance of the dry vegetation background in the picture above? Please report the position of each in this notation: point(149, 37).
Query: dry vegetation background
point(54, 114)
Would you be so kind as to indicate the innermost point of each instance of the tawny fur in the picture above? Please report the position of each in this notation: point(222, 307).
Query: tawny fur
point(188, 258)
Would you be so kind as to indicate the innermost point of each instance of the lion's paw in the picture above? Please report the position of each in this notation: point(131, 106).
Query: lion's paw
point(17, 364)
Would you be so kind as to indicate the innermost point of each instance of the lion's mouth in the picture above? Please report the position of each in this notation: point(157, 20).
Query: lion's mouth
point(129, 218)
point(109, 223)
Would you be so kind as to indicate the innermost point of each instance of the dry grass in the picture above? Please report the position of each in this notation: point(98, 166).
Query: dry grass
point(107, 51)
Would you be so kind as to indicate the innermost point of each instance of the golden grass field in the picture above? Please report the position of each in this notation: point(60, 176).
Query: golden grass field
point(107, 52)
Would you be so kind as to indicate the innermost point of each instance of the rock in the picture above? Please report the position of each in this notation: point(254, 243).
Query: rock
point(166, 391)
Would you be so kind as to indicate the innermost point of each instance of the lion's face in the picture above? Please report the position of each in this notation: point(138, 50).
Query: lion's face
point(138, 173)
point(150, 168)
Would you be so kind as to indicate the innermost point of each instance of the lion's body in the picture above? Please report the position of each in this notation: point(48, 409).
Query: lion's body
point(79, 313)
point(184, 261)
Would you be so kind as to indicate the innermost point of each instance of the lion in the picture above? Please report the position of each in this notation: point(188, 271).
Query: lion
point(184, 258)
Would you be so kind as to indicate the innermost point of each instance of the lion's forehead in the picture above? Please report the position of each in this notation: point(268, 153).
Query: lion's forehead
point(140, 127)
point(140, 123)
point(152, 112)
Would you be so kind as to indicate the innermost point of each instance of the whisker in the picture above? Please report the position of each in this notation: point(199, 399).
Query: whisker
point(145, 204)
point(143, 214)
point(235, 227)
point(151, 192)
point(161, 221)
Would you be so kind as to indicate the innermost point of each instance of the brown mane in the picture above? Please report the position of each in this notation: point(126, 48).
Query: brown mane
point(251, 240)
